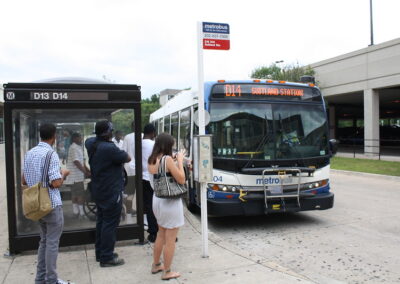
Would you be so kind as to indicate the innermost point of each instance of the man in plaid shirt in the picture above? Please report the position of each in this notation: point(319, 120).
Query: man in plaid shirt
point(51, 225)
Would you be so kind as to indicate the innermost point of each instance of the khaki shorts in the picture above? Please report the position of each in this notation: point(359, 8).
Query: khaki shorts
point(77, 189)
point(130, 187)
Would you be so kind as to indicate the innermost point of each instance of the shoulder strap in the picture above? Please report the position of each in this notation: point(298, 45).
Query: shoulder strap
point(161, 166)
point(45, 173)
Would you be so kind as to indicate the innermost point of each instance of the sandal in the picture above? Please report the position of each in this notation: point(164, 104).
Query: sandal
point(173, 275)
point(156, 267)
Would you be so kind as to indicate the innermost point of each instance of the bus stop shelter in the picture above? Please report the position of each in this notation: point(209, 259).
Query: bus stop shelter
point(72, 106)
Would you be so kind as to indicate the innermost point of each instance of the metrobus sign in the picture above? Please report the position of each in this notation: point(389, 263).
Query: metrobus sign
point(216, 36)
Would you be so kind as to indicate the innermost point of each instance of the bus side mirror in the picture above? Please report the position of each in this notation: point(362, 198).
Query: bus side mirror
point(333, 145)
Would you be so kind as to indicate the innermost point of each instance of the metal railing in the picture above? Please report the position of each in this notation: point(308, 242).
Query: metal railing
point(377, 147)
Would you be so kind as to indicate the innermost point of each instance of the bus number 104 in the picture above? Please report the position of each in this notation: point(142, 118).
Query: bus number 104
point(233, 91)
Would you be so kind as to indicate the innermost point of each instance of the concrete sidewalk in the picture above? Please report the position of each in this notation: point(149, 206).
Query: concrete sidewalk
point(226, 264)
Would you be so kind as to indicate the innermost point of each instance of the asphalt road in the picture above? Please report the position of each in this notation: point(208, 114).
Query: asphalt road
point(357, 241)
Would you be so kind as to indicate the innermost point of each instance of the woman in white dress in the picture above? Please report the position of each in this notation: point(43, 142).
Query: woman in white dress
point(168, 212)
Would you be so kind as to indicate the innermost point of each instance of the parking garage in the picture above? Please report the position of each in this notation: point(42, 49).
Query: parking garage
point(362, 92)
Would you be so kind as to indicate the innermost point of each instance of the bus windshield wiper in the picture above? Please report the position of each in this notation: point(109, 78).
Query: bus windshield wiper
point(262, 143)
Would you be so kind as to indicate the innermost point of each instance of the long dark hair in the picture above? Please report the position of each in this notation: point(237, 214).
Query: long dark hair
point(163, 145)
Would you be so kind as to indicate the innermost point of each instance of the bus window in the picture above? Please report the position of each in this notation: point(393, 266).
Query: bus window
point(156, 126)
point(184, 131)
point(166, 124)
point(174, 129)
point(160, 126)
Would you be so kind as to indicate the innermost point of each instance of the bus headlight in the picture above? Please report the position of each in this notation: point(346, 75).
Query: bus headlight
point(224, 188)
point(316, 184)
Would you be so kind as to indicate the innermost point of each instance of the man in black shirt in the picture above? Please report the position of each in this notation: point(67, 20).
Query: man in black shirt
point(106, 164)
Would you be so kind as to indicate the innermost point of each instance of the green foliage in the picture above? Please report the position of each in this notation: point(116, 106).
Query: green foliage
point(366, 166)
point(149, 106)
point(122, 119)
point(291, 72)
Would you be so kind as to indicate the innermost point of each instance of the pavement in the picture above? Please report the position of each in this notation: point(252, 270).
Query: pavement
point(225, 264)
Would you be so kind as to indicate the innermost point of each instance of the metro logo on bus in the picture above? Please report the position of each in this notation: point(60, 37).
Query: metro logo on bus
point(216, 36)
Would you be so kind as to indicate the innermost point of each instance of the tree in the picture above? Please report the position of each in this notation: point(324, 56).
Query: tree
point(123, 118)
point(291, 72)
point(149, 106)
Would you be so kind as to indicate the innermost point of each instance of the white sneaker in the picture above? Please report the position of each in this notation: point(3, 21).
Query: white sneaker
point(59, 281)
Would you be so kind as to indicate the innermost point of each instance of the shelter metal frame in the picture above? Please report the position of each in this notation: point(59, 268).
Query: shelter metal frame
point(119, 96)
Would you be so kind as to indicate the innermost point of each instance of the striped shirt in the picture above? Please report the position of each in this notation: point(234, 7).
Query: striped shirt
point(75, 153)
point(33, 168)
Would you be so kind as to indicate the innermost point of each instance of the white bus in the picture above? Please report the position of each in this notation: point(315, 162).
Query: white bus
point(271, 150)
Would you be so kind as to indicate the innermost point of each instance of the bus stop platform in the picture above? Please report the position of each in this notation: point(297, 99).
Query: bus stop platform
point(226, 263)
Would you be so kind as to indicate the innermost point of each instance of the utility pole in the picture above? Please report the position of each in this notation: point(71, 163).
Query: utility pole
point(371, 22)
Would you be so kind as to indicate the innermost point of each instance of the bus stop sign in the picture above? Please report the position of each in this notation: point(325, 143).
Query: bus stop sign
point(216, 36)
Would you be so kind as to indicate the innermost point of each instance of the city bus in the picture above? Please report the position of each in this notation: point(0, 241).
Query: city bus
point(270, 141)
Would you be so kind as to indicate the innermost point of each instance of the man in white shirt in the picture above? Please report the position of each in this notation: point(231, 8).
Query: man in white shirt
point(130, 189)
point(78, 171)
point(149, 132)
point(118, 139)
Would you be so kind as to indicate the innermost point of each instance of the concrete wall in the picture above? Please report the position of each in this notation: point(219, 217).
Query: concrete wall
point(373, 67)
point(368, 70)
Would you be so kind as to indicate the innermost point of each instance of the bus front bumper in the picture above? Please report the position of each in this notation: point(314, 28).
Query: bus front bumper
point(256, 206)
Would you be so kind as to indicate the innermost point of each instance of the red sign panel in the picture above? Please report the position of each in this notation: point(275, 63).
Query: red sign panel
point(220, 44)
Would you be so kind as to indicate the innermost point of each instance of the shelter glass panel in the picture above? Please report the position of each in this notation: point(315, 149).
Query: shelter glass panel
point(74, 126)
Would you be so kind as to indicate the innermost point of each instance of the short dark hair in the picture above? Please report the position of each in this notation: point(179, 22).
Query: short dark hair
point(47, 131)
point(75, 135)
point(103, 128)
point(149, 129)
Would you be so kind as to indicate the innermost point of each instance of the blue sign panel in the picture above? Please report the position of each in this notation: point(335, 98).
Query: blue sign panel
point(215, 28)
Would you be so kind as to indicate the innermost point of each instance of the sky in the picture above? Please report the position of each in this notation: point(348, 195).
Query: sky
point(154, 43)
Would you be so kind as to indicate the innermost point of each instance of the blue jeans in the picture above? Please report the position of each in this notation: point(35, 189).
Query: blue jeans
point(108, 217)
point(51, 227)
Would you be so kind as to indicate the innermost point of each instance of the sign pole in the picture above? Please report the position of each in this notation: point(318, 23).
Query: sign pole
point(203, 186)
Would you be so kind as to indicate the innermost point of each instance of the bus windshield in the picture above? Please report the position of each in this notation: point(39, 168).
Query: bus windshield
point(264, 131)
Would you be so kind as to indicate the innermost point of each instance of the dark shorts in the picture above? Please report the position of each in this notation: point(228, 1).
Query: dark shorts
point(130, 187)
point(77, 189)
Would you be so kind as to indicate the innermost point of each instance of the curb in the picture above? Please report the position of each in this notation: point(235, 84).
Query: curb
point(361, 174)
point(214, 238)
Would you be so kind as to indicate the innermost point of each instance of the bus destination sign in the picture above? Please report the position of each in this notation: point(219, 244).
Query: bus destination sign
point(68, 96)
point(257, 91)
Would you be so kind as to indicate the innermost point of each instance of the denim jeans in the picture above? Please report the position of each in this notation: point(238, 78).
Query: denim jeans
point(51, 227)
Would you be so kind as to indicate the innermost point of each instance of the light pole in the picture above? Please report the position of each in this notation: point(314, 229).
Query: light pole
point(371, 22)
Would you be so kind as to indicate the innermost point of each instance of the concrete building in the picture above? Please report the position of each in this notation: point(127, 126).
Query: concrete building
point(167, 94)
point(362, 89)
